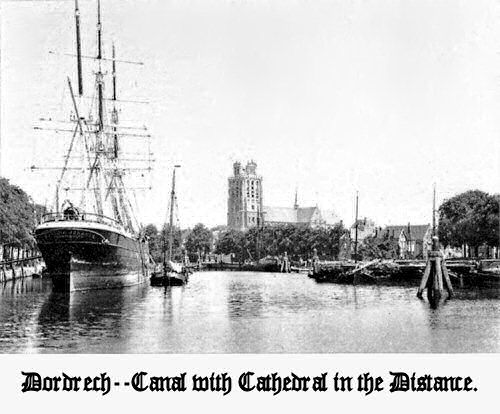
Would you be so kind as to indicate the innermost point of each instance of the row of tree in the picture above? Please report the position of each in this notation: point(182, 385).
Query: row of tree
point(255, 243)
point(18, 216)
point(194, 242)
point(296, 241)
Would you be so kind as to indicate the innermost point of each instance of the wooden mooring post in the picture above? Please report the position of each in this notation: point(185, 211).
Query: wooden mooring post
point(315, 261)
point(435, 276)
point(285, 264)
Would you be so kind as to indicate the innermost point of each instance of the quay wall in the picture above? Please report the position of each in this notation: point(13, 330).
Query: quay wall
point(17, 269)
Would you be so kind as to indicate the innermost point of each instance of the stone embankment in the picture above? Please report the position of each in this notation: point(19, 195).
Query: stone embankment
point(20, 268)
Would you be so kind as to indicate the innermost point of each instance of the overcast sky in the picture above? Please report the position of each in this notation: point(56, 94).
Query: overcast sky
point(383, 97)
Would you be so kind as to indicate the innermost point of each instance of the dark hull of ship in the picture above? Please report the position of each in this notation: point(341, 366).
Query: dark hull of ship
point(91, 258)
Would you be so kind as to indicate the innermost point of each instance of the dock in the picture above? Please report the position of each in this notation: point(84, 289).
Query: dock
point(242, 267)
point(464, 271)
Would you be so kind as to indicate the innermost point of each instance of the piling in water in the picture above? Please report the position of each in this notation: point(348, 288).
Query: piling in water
point(435, 276)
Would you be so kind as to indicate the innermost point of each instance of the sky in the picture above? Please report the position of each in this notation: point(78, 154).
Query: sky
point(329, 97)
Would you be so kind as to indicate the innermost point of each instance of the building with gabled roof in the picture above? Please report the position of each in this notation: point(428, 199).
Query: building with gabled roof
point(414, 240)
point(245, 208)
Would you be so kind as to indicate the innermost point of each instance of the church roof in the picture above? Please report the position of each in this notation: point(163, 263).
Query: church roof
point(280, 214)
point(305, 214)
point(301, 215)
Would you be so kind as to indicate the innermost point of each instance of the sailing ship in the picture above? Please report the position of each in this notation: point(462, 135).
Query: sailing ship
point(92, 239)
point(171, 273)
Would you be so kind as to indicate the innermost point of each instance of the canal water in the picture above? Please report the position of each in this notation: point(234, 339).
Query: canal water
point(240, 312)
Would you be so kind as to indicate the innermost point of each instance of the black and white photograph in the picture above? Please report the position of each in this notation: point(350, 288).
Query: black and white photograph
point(249, 177)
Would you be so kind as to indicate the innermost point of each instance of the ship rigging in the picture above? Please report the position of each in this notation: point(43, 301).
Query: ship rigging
point(95, 241)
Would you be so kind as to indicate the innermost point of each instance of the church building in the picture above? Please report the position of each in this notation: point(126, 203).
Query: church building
point(246, 209)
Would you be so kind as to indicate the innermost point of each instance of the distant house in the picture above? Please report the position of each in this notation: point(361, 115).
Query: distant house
point(216, 233)
point(414, 241)
point(366, 228)
point(345, 242)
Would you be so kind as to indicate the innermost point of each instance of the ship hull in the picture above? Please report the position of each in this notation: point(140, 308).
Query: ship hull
point(85, 258)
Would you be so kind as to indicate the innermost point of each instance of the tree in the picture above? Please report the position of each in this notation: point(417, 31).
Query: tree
point(297, 240)
point(158, 242)
point(230, 241)
point(470, 218)
point(151, 232)
point(18, 215)
point(164, 239)
point(199, 239)
point(327, 240)
point(378, 248)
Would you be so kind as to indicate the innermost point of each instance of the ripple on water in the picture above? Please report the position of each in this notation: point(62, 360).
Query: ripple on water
point(245, 312)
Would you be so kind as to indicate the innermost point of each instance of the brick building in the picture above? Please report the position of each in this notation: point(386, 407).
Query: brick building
point(246, 209)
point(244, 206)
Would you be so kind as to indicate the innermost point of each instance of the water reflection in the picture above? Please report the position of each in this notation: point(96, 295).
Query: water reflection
point(245, 312)
point(244, 299)
point(21, 286)
point(78, 321)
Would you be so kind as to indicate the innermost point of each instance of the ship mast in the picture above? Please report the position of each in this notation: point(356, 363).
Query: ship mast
point(114, 115)
point(434, 210)
point(78, 49)
point(99, 72)
point(99, 140)
point(113, 182)
point(356, 231)
point(100, 115)
point(80, 93)
point(171, 224)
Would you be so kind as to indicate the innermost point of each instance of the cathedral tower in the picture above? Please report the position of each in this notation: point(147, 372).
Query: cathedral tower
point(244, 206)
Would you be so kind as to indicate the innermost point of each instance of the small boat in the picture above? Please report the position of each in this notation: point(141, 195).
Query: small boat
point(171, 273)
